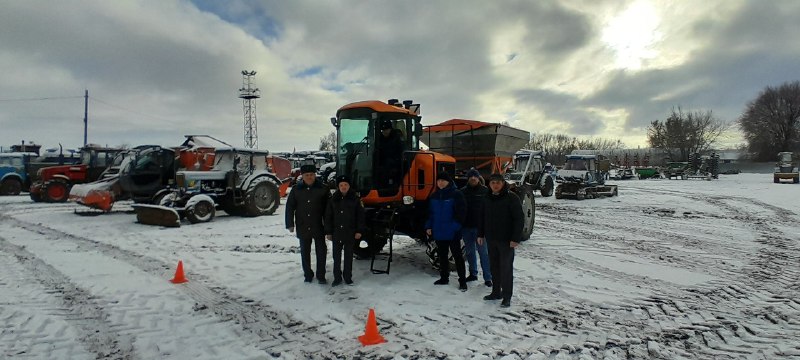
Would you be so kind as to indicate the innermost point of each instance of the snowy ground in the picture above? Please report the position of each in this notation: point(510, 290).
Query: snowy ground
point(669, 269)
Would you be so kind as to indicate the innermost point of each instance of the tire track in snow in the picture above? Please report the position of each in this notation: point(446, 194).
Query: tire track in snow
point(275, 332)
point(96, 332)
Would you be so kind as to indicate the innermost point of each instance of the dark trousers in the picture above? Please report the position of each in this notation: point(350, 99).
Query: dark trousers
point(501, 261)
point(347, 247)
point(305, 256)
point(444, 263)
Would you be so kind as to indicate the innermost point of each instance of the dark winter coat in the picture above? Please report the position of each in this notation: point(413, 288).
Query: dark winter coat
point(475, 196)
point(344, 216)
point(305, 209)
point(503, 217)
point(390, 149)
point(446, 213)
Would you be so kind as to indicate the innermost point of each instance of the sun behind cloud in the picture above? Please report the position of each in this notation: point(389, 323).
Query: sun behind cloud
point(632, 35)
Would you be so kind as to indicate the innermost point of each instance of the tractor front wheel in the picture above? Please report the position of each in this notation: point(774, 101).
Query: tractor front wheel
point(558, 192)
point(547, 190)
point(55, 191)
point(200, 211)
point(528, 211)
point(10, 186)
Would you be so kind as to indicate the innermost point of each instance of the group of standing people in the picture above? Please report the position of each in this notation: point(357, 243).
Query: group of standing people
point(490, 222)
point(317, 216)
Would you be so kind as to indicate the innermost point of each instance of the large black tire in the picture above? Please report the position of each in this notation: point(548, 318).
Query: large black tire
point(262, 199)
point(548, 188)
point(36, 196)
point(10, 186)
point(558, 191)
point(200, 212)
point(528, 210)
point(373, 247)
point(55, 191)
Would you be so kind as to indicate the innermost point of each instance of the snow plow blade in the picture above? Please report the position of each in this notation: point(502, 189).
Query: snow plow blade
point(93, 196)
point(157, 215)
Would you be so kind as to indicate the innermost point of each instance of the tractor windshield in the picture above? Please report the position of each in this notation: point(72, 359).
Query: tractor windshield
point(785, 157)
point(373, 157)
point(576, 164)
point(356, 150)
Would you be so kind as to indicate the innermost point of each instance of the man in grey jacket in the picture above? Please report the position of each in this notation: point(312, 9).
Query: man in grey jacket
point(305, 210)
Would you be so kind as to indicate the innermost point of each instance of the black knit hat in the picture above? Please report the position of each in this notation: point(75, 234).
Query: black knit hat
point(473, 173)
point(496, 177)
point(386, 124)
point(308, 169)
point(443, 175)
point(341, 179)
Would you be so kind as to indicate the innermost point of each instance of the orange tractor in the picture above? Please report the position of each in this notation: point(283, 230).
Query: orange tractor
point(395, 193)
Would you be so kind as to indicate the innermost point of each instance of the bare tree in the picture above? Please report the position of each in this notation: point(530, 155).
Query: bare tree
point(558, 146)
point(684, 133)
point(771, 122)
point(328, 142)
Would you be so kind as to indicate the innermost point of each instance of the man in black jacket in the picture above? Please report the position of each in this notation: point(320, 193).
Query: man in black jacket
point(502, 231)
point(390, 156)
point(305, 209)
point(344, 224)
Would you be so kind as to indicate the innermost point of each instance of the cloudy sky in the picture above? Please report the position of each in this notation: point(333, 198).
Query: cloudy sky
point(156, 70)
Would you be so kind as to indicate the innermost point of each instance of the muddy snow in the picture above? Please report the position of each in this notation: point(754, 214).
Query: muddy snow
point(668, 269)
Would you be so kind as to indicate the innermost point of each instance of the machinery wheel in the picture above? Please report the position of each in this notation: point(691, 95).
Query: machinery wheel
point(528, 211)
point(371, 246)
point(614, 192)
point(776, 179)
point(10, 186)
point(55, 191)
point(262, 199)
point(580, 195)
point(796, 180)
point(36, 196)
point(201, 211)
point(558, 192)
point(547, 190)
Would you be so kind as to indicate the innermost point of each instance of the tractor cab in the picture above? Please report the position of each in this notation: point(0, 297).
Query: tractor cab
point(374, 143)
point(581, 168)
point(151, 169)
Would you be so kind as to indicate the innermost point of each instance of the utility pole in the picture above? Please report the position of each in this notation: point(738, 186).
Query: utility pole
point(249, 93)
point(85, 116)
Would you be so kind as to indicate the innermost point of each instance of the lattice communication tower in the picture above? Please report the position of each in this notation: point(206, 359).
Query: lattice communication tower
point(249, 93)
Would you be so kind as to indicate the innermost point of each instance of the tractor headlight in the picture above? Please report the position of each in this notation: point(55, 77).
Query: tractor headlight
point(408, 200)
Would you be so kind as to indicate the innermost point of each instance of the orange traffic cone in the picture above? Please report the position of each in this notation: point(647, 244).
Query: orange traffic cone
point(371, 336)
point(179, 278)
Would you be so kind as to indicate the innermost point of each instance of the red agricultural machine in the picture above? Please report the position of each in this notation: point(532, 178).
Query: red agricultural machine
point(53, 183)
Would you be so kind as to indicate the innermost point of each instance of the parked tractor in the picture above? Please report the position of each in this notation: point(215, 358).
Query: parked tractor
point(240, 183)
point(583, 177)
point(395, 191)
point(13, 176)
point(529, 169)
point(785, 169)
point(53, 183)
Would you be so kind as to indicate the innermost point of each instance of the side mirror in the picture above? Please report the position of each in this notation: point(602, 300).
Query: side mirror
point(334, 122)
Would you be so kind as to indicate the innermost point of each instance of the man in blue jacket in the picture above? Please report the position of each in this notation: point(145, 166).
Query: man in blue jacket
point(446, 214)
point(502, 231)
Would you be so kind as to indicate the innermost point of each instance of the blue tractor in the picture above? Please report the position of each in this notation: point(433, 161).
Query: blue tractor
point(13, 174)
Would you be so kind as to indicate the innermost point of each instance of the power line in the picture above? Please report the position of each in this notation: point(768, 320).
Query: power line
point(42, 98)
point(125, 109)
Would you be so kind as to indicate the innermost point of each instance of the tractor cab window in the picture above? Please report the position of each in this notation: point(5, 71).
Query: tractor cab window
point(576, 164)
point(357, 148)
point(86, 157)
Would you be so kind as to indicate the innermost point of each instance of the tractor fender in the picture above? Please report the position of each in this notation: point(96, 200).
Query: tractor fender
point(62, 177)
point(259, 176)
point(12, 175)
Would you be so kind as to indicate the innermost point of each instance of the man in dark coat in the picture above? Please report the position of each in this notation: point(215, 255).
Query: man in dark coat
point(475, 194)
point(390, 156)
point(502, 231)
point(305, 209)
point(447, 209)
point(344, 224)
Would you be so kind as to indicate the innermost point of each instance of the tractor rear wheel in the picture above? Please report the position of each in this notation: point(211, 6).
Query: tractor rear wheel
point(201, 211)
point(10, 186)
point(547, 190)
point(55, 191)
point(36, 196)
point(262, 199)
point(528, 211)
point(558, 192)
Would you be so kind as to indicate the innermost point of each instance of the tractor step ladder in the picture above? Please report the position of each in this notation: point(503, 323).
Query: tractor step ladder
point(385, 217)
